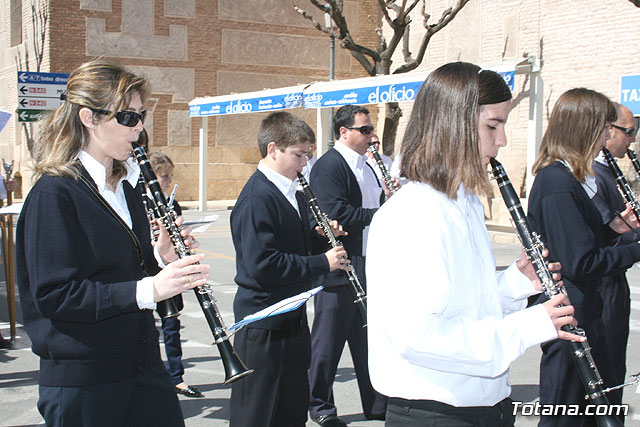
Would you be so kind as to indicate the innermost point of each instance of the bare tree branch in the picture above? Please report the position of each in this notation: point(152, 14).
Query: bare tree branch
point(406, 53)
point(378, 60)
point(447, 16)
point(313, 20)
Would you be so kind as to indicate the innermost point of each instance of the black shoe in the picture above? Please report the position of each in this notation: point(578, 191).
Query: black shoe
point(4, 343)
point(330, 420)
point(190, 391)
point(380, 417)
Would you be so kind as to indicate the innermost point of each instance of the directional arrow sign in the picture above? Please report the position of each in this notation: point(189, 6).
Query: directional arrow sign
point(38, 103)
point(29, 115)
point(40, 91)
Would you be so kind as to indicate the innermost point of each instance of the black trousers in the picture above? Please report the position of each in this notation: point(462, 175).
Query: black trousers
point(277, 393)
point(616, 309)
point(148, 399)
point(173, 348)
point(560, 382)
point(427, 413)
point(337, 321)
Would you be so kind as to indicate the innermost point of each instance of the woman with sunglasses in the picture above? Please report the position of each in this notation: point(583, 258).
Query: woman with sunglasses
point(562, 210)
point(88, 276)
point(444, 326)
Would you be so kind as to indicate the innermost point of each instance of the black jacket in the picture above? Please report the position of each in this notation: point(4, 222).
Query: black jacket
point(77, 269)
point(273, 251)
point(572, 229)
point(339, 196)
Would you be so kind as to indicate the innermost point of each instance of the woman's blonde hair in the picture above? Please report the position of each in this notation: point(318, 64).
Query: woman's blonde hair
point(441, 141)
point(576, 124)
point(97, 85)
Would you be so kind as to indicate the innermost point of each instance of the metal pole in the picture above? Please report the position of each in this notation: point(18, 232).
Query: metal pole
point(204, 159)
point(332, 51)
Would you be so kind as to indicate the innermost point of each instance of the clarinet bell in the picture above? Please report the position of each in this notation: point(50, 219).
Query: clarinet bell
point(234, 368)
point(170, 307)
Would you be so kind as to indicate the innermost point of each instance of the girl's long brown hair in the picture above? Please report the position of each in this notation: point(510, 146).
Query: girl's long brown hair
point(576, 124)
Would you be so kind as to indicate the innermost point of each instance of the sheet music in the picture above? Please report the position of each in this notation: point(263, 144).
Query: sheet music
point(284, 306)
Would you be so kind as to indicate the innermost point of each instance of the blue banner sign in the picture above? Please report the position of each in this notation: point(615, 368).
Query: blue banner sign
point(397, 92)
point(630, 93)
point(226, 105)
point(509, 77)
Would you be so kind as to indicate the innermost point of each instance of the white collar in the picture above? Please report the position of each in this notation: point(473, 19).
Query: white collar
point(284, 184)
point(600, 159)
point(99, 174)
point(352, 157)
point(590, 186)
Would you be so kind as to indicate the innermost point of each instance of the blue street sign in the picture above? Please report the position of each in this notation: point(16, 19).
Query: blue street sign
point(43, 78)
point(38, 92)
point(630, 93)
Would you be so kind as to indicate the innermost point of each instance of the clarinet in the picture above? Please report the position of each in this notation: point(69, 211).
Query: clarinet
point(634, 160)
point(170, 307)
point(148, 209)
point(533, 247)
point(323, 221)
point(234, 368)
point(386, 177)
point(624, 187)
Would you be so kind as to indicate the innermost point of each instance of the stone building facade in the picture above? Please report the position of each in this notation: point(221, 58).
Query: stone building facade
point(192, 48)
point(187, 49)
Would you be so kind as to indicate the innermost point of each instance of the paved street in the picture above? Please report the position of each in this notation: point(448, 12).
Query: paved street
point(19, 367)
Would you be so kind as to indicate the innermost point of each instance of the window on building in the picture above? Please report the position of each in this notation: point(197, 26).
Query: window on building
point(15, 15)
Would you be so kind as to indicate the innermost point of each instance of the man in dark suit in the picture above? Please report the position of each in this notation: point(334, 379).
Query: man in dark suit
point(349, 192)
point(273, 241)
point(616, 302)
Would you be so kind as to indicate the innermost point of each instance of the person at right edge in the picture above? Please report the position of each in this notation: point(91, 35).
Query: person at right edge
point(349, 192)
point(615, 293)
point(562, 211)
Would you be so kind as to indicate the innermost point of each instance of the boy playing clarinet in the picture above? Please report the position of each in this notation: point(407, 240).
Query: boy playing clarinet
point(272, 239)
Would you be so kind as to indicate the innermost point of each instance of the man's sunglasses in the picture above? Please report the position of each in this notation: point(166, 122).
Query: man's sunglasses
point(630, 132)
point(126, 118)
point(365, 130)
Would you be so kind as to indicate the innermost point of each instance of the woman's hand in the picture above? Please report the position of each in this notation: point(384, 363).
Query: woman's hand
point(178, 276)
point(165, 245)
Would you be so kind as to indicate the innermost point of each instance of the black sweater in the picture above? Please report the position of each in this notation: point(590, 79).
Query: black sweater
point(77, 269)
point(572, 229)
point(273, 258)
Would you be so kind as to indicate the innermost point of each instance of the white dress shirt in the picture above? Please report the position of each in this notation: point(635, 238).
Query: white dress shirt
point(286, 186)
point(386, 161)
point(306, 170)
point(442, 325)
point(367, 181)
point(118, 201)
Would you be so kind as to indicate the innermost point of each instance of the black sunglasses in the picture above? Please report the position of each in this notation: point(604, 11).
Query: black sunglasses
point(126, 118)
point(365, 130)
point(630, 132)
